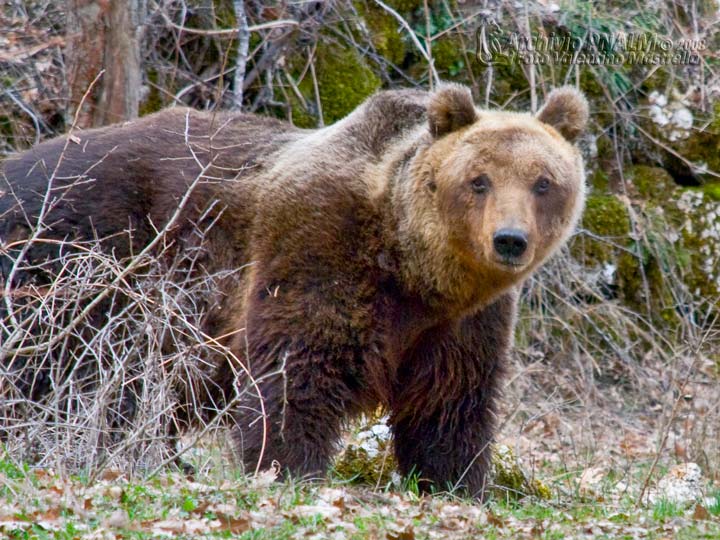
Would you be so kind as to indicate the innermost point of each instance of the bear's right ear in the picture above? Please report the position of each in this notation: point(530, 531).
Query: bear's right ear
point(451, 107)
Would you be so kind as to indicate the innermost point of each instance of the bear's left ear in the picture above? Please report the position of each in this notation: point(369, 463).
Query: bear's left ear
point(451, 107)
point(566, 109)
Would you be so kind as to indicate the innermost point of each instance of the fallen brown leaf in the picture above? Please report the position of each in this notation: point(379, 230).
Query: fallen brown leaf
point(700, 513)
point(494, 520)
point(408, 533)
point(233, 524)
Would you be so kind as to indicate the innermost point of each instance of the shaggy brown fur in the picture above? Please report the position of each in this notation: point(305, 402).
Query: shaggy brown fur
point(376, 268)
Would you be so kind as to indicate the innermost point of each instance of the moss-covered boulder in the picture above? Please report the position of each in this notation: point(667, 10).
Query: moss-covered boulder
point(656, 246)
point(700, 234)
point(344, 80)
point(607, 219)
point(689, 221)
point(384, 31)
point(448, 57)
point(651, 183)
point(686, 138)
point(510, 480)
point(607, 245)
point(368, 457)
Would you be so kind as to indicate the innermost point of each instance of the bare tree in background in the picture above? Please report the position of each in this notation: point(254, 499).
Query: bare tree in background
point(102, 34)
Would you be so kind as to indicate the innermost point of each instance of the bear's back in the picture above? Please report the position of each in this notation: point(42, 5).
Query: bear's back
point(94, 183)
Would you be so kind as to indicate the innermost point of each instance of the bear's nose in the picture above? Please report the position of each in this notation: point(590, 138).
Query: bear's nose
point(510, 243)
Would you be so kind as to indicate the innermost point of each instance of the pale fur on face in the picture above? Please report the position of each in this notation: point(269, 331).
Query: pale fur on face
point(446, 229)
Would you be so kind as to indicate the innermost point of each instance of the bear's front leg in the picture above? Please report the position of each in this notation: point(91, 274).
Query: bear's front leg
point(443, 404)
point(304, 360)
point(304, 407)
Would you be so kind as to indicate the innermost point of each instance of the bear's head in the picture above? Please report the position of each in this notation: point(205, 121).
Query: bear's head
point(489, 195)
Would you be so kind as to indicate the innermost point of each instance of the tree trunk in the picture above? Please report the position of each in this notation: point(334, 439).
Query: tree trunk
point(104, 34)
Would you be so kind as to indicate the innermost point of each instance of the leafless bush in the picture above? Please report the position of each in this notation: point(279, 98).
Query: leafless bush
point(103, 361)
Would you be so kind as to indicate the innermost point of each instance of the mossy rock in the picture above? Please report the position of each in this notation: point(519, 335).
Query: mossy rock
point(448, 57)
point(677, 243)
point(599, 180)
point(359, 466)
point(608, 218)
point(344, 81)
point(153, 102)
point(510, 481)
point(702, 148)
point(684, 226)
point(384, 31)
point(652, 183)
point(700, 234)
point(712, 191)
point(368, 457)
point(632, 265)
point(300, 116)
point(691, 156)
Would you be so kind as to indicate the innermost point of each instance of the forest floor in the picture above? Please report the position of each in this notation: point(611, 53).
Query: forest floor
point(595, 472)
point(40, 504)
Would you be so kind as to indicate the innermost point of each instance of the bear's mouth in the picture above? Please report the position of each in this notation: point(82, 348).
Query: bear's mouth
point(510, 263)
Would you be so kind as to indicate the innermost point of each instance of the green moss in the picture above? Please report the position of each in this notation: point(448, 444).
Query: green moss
point(384, 32)
point(153, 102)
point(344, 81)
point(405, 7)
point(510, 480)
point(6, 131)
point(299, 115)
point(605, 149)
point(702, 147)
point(224, 14)
point(509, 79)
point(356, 465)
point(447, 56)
point(607, 217)
point(600, 181)
point(653, 183)
point(711, 190)
point(368, 457)
point(610, 242)
point(699, 215)
point(656, 80)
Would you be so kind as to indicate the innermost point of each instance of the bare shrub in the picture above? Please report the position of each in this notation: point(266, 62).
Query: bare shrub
point(103, 361)
point(591, 372)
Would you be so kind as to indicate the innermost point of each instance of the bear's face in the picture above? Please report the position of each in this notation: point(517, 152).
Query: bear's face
point(500, 190)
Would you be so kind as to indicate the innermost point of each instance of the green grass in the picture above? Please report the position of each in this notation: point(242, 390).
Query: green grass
point(664, 509)
point(714, 508)
point(233, 506)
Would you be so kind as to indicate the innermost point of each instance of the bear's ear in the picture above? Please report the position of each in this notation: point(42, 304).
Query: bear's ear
point(451, 107)
point(565, 109)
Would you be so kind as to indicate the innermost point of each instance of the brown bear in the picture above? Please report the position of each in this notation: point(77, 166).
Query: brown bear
point(381, 256)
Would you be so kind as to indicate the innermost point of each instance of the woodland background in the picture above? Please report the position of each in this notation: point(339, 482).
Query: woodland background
point(614, 388)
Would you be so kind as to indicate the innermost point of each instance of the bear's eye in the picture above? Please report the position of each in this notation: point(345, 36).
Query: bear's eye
point(542, 185)
point(480, 184)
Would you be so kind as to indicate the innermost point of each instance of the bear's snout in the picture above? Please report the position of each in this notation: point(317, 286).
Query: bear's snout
point(510, 243)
